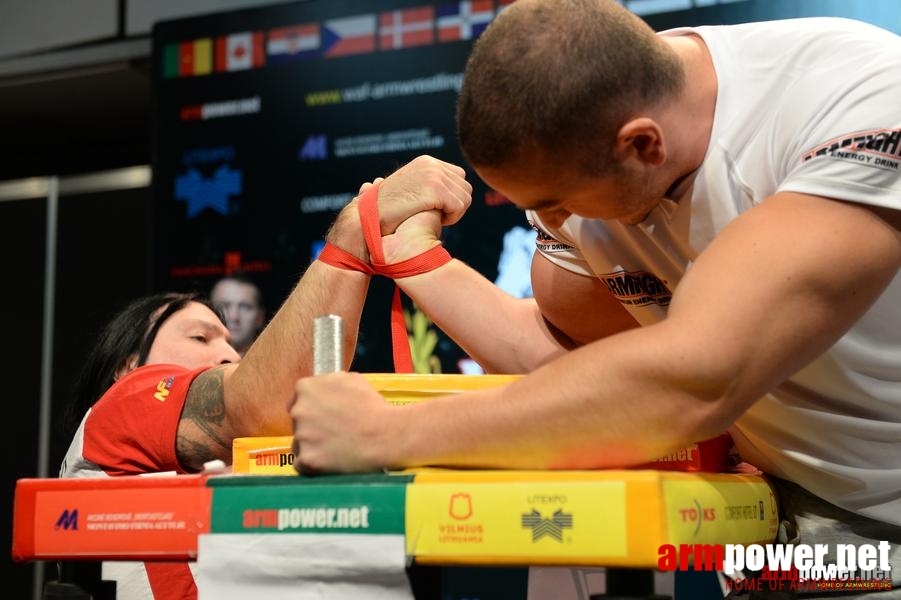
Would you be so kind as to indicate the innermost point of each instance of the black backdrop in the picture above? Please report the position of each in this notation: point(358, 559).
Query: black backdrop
point(258, 190)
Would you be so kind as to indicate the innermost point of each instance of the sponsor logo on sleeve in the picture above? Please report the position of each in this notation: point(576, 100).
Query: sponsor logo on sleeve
point(547, 243)
point(637, 288)
point(163, 387)
point(880, 148)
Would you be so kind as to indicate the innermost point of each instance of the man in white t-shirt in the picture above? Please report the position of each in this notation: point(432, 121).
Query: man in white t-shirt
point(719, 220)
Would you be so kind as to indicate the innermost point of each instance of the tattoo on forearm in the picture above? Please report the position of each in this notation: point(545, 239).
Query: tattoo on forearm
point(205, 409)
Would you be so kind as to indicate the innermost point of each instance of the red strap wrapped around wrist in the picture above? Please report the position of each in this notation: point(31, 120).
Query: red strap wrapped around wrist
point(336, 257)
point(422, 263)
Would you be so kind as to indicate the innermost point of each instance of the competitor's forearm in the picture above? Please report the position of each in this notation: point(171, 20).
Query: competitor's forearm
point(258, 391)
point(606, 405)
point(502, 333)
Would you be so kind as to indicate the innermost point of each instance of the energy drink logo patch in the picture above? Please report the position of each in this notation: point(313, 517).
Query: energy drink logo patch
point(547, 243)
point(879, 148)
point(637, 288)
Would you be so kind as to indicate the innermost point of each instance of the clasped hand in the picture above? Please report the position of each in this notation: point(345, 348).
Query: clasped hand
point(341, 424)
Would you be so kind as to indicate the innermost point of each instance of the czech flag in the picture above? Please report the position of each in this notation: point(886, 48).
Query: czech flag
point(350, 35)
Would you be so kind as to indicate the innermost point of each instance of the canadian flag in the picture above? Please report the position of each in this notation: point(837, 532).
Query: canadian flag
point(240, 51)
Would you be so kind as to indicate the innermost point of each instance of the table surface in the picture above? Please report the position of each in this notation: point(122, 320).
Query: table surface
point(597, 518)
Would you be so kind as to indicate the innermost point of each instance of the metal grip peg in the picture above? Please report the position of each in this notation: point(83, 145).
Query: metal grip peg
point(328, 344)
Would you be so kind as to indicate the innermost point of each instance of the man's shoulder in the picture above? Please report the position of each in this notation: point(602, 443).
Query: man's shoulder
point(156, 381)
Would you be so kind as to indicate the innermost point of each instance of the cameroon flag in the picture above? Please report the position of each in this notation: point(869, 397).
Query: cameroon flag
point(188, 58)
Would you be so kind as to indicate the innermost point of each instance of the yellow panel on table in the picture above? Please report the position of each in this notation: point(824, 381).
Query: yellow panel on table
point(612, 518)
point(274, 456)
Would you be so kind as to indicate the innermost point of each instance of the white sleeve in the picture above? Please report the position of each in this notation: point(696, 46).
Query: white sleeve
point(852, 151)
point(859, 166)
point(556, 246)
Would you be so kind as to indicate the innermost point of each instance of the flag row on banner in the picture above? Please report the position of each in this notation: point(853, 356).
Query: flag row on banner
point(343, 36)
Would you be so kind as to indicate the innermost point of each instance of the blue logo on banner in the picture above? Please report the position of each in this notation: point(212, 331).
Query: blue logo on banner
point(314, 148)
point(208, 192)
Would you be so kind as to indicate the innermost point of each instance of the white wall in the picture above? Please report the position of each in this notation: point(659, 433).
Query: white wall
point(28, 26)
point(140, 15)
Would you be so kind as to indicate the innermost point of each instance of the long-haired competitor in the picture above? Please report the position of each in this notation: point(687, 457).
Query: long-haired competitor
point(164, 390)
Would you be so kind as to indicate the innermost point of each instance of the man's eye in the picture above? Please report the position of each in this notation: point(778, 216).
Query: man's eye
point(199, 338)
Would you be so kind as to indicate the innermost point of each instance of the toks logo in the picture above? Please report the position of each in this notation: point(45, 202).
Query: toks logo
point(697, 514)
point(552, 527)
point(68, 520)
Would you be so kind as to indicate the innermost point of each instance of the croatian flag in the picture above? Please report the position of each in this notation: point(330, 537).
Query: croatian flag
point(239, 51)
point(464, 20)
point(407, 28)
point(293, 43)
point(350, 35)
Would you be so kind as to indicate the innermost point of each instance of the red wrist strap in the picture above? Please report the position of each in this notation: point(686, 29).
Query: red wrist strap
point(422, 263)
point(336, 257)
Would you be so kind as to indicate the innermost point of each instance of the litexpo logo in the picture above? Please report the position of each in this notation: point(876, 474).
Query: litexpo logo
point(796, 567)
point(551, 527)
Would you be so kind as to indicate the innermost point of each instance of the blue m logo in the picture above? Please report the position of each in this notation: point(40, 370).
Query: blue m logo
point(68, 520)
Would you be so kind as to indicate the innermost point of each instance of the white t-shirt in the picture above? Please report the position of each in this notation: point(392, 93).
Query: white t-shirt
point(803, 105)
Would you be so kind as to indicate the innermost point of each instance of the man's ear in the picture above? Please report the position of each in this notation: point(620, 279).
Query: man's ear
point(129, 365)
point(641, 139)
